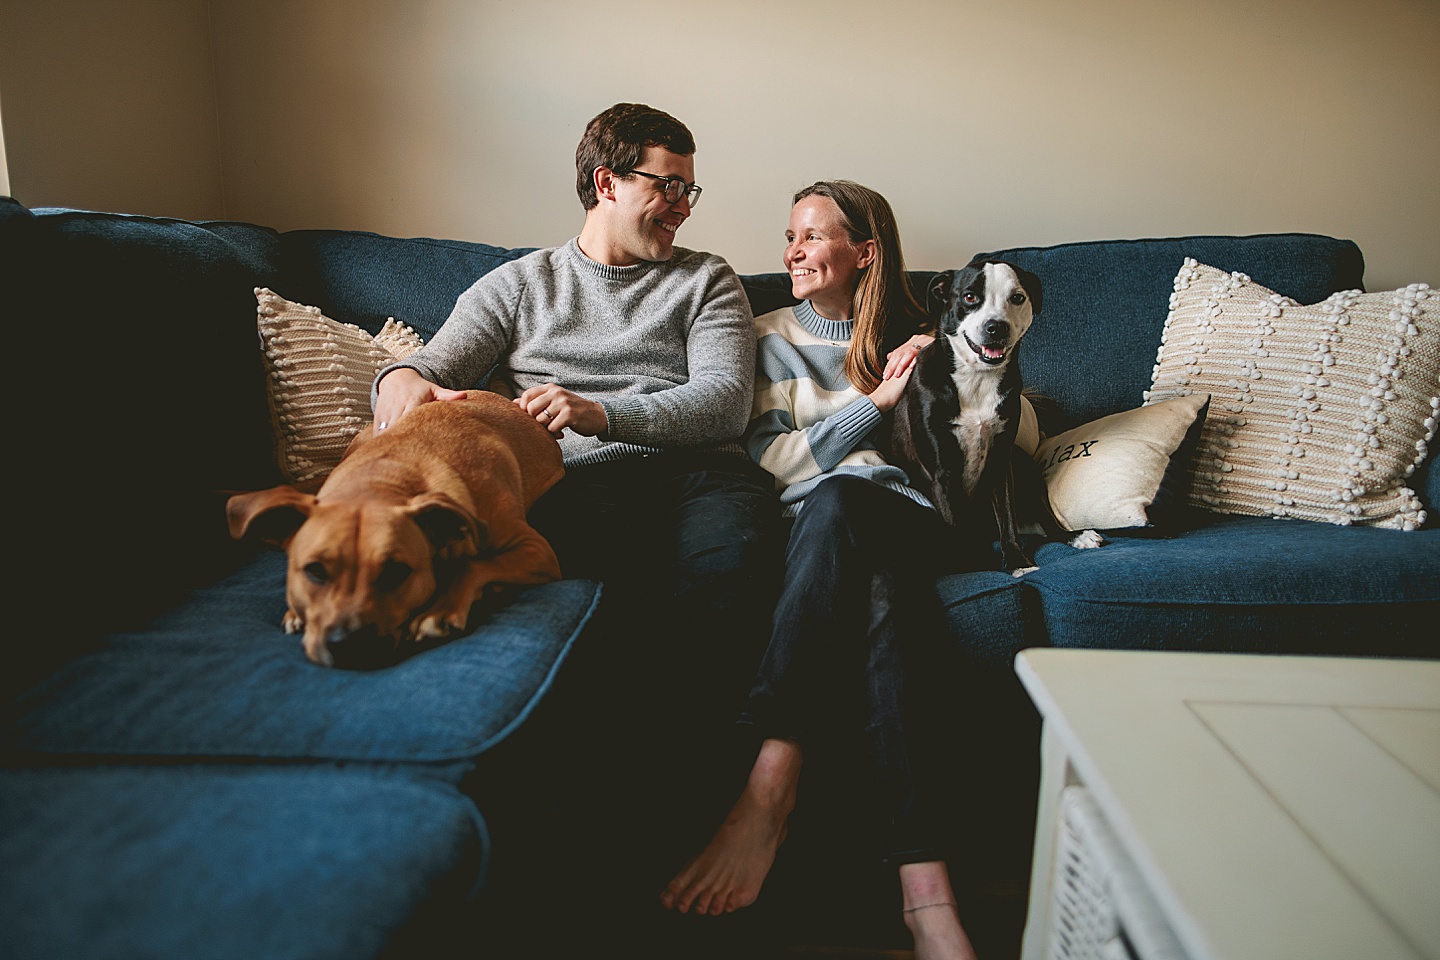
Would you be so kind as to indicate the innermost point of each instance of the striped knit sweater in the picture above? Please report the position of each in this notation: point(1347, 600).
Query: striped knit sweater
point(808, 422)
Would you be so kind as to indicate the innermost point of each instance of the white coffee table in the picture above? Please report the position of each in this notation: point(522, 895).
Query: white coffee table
point(1248, 806)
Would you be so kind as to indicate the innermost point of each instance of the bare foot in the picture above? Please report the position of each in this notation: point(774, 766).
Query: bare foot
point(930, 913)
point(728, 873)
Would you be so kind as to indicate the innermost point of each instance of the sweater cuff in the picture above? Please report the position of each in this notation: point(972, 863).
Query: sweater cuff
point(624, 418)
point(856, 420)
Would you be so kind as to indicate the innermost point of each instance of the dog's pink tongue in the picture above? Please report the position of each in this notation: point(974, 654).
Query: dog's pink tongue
point(994, 353)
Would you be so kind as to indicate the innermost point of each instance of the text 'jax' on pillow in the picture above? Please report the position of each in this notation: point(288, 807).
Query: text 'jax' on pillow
point(1130, 469)
point(319, 373)
point(1317, 412)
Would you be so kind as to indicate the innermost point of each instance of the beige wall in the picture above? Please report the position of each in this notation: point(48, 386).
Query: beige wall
point(4, 171)
point(111, 105)
point(987, 124)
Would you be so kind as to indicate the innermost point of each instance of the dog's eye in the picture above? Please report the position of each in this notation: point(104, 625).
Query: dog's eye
point(317, 573)
point(1017, 298)
point(972, 297)
point(393, 574)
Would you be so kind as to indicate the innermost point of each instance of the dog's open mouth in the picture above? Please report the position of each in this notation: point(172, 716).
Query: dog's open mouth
point(990, 355)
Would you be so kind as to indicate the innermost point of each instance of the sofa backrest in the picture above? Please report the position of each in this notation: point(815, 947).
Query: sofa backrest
point(1093, 346)
point(365, 278)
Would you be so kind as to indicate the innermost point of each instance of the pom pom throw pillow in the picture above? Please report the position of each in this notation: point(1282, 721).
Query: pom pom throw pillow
point(319, 373)
point(1318, 412)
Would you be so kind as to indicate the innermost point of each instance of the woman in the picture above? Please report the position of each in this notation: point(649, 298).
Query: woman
point(856, 610)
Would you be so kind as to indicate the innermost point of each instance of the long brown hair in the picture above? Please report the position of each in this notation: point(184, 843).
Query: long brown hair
point(883, 300)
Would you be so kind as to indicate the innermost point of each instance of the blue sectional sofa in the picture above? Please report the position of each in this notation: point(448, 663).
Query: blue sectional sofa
point(176, 780)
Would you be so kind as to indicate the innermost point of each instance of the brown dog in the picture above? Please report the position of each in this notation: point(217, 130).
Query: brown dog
point(411, 528)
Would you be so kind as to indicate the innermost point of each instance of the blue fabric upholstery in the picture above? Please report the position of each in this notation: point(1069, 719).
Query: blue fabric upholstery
point(208, 862)
point(364, 278)
point(986, 613)
point(218, 677)
point(169, 298)
point(153, 404)
point(1093, 344)
point(1249, 584)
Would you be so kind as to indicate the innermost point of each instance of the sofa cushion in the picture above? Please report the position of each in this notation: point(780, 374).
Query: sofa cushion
point(217, 677)
point(1317, 412)
point(985, 613)
point(1092, 346)
point(318, 377)
point(366, 278)
point(1248, 584)
point(202, 861)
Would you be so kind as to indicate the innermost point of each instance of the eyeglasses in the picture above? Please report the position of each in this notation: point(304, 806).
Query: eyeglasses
point(675, 188)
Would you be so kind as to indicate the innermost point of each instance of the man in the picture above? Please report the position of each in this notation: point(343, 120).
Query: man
point(638, 355)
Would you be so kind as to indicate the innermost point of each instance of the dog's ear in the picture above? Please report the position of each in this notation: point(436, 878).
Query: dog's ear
point(454, 531)
point(271, 515)
point(937, 293)
point(1032, 286)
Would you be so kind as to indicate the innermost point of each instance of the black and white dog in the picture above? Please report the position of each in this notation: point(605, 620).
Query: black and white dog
point(955, 425)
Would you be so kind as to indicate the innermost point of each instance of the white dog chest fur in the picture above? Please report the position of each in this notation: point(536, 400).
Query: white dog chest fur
point(979, 420)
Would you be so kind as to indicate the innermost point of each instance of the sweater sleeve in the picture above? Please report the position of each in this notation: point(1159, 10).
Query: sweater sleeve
point(793, 455)
point(478, 331)
point(712, 404)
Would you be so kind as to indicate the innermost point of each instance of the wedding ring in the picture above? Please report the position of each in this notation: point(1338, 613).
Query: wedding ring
point(381, 425)
point(545, 414)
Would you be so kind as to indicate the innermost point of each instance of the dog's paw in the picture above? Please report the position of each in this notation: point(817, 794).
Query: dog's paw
point(1021, 571)
point(1087, 540)
point(436, 626)
point(292, 622)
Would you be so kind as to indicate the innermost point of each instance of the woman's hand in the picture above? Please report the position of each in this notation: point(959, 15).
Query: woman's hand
point(402, 390)
point(902, 358)
point(888, 393)
point(557, 408)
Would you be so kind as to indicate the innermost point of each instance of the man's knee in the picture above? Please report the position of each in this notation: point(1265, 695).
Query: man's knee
point(725, 521)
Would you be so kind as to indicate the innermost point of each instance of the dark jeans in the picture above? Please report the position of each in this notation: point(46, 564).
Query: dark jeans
point(687, 546)
point(858, 643)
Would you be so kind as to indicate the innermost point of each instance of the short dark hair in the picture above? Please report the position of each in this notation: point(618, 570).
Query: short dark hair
point(616, 139)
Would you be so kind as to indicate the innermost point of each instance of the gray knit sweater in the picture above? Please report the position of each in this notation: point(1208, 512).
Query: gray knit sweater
point(668, 349)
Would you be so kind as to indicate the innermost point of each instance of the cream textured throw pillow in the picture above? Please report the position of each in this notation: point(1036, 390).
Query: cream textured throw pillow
point(1317, 412)
point(319, 375)
point(1108, 474)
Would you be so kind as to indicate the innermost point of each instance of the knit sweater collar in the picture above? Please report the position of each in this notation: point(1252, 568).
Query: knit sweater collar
point(840, 330)
point(603, 270)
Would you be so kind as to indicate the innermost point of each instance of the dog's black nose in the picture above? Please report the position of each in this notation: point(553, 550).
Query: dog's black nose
point(364, 649)
point(996, 330)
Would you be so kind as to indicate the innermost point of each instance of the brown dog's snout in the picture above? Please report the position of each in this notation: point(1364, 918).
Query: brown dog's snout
point(362, 649)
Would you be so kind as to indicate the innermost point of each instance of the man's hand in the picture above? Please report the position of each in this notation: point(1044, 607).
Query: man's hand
point(402, 390)
point(559, 409)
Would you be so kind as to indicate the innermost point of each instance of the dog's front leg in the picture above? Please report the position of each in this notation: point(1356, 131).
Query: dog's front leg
point(1030, 488)
point(1013, 557)
point(527, 559)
